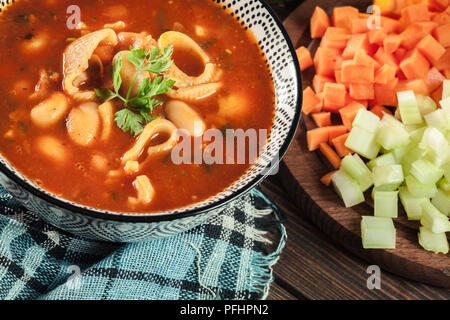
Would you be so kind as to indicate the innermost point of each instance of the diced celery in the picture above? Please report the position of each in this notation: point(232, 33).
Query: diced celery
point(420, 190)
point(392, 133)
point(426, 172)
point(413, 154)
point(386, 204)
point(385, 159)
point(347, 188)
point(363, 142)
point(446, 89)
point(425, 104)
point(377, 233)
point(433, 219)
point(411, 204)
point(416, 135)
point(357, 169)
point(383, 188)
point(366, 120)
point(444, 184)
point(435, 242)
point(388, 175)
point(436, 145)
point(437, 119)
point(409, 110)
point(442, 201)
point(446, 168)
point(400, 152)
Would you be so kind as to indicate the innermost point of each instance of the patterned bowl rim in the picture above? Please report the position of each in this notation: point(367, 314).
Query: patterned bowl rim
point(163, 216)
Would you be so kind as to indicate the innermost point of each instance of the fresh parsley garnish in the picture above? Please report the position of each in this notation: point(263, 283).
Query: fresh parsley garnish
point(138, 109)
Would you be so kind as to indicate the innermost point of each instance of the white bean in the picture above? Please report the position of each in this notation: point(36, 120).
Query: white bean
point(184, 117)
point(52, 148)
point(83, 123)
point(50, 111)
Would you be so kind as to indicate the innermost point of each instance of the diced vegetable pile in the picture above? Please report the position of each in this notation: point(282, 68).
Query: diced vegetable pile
point(381, 103)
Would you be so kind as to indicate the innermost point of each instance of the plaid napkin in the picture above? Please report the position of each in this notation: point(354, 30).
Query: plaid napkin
point(221, 259)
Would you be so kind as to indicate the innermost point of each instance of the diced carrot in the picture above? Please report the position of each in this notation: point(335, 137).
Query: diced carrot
point(319, 82)
point(342, 16)
point(326, 179)
point(442, 34)
point(385, 94)
point(333, 95)
point(385, 58)
point(338, 77)
point(304, 58)
point(339, 145)
point(447, 73)
point(434, 79)
point(442, 18)
point(331, 155)
point(348, 113)
point(431, 48)
point(438, 5)
point(325, 60)
point(319, 23)
point(418, 86)
point(336, 131)
point(379, 111)
point(392, 42)
point(315, 137)
point(437, 95)
point(361, 58)
point(359, 26)
point(356, 42)
point(444, 61)
point(322, 119)
point(415, 13)
point(400, 54)
point(335, 38)
point(357, 73)
point(415, 66)
point(376, 36)
point(362, 91)
point(428, 27)
point(385, 74)
point(412, 35)
point(389, 25)
point(311, 102)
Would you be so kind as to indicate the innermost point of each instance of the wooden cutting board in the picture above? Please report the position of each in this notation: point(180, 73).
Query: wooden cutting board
point(301, 171)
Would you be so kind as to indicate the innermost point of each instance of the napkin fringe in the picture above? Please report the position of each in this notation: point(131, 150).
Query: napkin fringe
point(262, 277)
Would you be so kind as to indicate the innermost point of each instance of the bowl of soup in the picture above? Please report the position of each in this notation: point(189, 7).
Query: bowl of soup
point(127, 121)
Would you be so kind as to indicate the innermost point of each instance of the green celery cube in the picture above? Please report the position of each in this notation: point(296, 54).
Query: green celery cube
point(366, 120)
point(409, 110)
point(411, 204)
point(357, 169)
point(347, 188)
point(385, 159)
point(386, 204)
point(426, 172)
point(420, 190)
point(442, 201)
point(363, 142)
point(433, 219)
point(377, 233)
point(435, 242)
point(388, 175)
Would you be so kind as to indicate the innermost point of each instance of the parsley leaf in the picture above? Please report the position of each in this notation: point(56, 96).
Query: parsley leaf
point(127, 120)
point(138, 109)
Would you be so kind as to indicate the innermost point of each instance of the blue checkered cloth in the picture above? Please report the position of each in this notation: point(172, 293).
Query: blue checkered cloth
point(224, 258)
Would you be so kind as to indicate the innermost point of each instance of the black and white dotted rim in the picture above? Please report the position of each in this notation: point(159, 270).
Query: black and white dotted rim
point(273, 39)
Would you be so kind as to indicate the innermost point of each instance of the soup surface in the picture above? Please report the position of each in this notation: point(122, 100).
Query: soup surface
point(117, 154)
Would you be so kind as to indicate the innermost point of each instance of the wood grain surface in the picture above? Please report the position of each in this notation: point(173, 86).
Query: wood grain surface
point(301, 173)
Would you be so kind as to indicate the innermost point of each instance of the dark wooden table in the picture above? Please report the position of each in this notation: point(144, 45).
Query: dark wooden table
point(314, 267)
